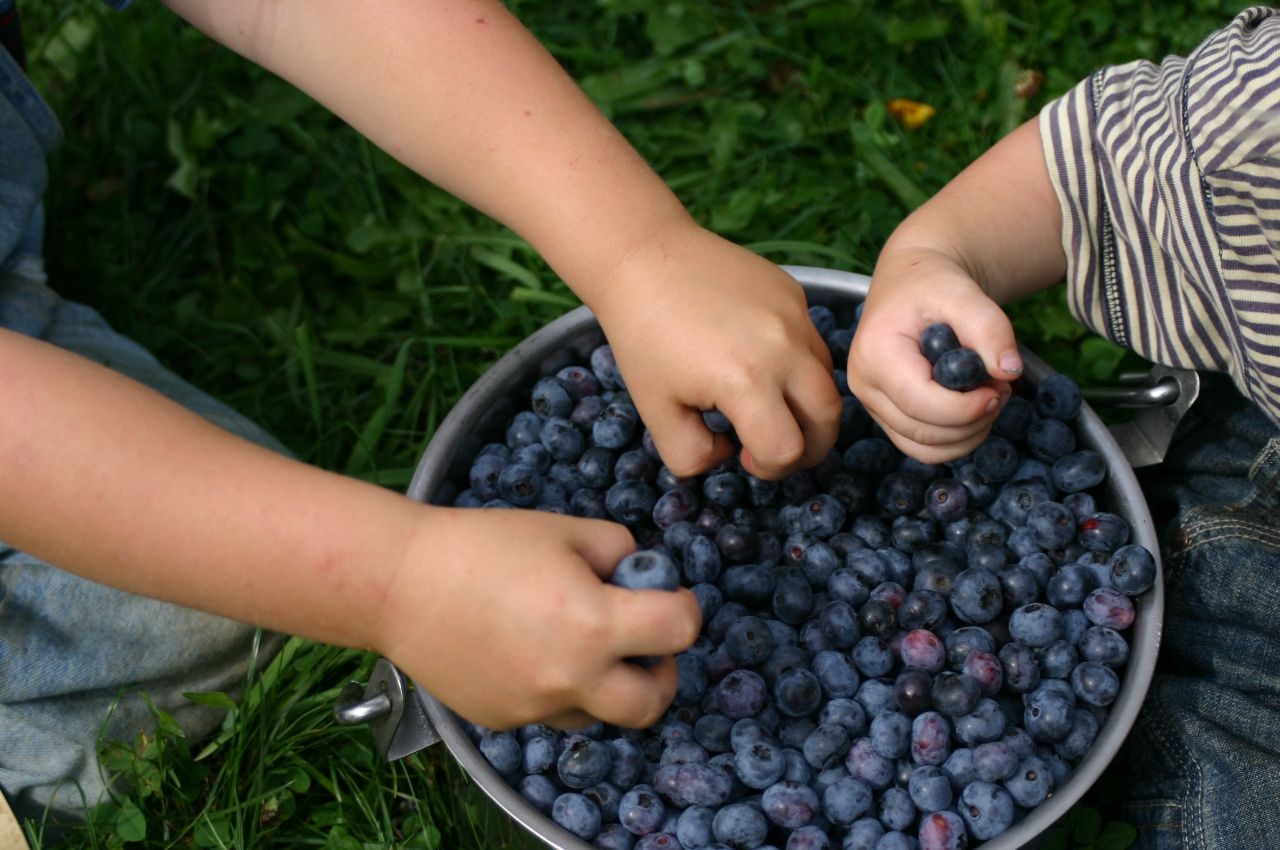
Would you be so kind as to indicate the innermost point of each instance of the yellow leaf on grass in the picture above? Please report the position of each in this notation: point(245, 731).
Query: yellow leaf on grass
point(910, 113)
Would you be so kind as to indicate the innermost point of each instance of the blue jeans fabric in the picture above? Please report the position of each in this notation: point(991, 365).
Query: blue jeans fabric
point(1203, 763)
point(75, 656)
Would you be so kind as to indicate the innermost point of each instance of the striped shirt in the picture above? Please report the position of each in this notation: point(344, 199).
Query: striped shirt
point(1168, 177)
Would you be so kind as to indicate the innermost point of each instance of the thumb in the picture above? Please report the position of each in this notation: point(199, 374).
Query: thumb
point(986, 328)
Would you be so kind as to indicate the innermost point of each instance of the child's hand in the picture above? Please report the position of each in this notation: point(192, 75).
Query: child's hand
point(504, 616)
point(698, 323)
point(911, 289)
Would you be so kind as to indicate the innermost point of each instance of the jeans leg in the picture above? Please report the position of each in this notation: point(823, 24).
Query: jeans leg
point(1203, 762)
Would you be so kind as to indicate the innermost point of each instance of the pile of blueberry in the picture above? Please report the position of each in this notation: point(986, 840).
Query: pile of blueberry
point(894, 654)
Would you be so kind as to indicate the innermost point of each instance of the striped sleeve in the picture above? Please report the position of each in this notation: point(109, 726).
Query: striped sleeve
point(1168, 178)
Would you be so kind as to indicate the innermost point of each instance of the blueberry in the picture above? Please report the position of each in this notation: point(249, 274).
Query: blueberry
point(942, 830)
point(849, 713)
point(749, 641)
point(1058, 397)
point(694, 827)
point(577, 814)
point(1058, 659)
point(613, 836)
point(616, 425)
point(740, 694)
point(584, 762)
point(502, 750)
point(552, 397)
point(826, 745)
point(1050, 439)
point(996, 458)
point(539, 790)
point(895, 809)
point(922, 609)
point(930, 789)
point(912, 691)
point(955, 694)
point(1104, 645)
point(1031, 783)
point(994, 761)
point(987, 809)
point(1102, 532)
point(676, 505)
point(872, 656)
point(797, 692)
point(1036, 625)
point(1133, 569)
point(641, 810)
point(986, 669)
point(646, 569)
point(960, 369)
point(836, 673)
point(1047, 714)
point(923, 650)
point(1105, 606)
point(524, 429)
point(741, 826)
point(1078, 740)
point(863, 762)
point(930, 738)
point(1079, 471)
point(976, 596)
point(890, 734)
point(937, 339)
point(605, 368)
point(1052, 524)
point(630, 502)
point(809, 838)
point(1068, 587)
point(1095, 683)
point(716, 422)
point(986, 722)
point(864, 834)
point(538, 755)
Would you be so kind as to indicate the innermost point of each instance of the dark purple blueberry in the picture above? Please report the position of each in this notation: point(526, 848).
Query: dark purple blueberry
point(726, 489)
point(987, 809)
point(847, 586)
point(960, 369)
point(877, 618)
point(818, 563)
point(606, 796)
point(630, 502)
point(870, 529)
point(635, 465)
point(937, 339)
point(869, 565)
point(980, 491)
point(700, 558)
point(986, 670)
point(912, 689)
point(579, 381)
point(792, 599)
point(1015, 418)
point(749, 641)
point(587, 411)
point(1104, 645)
point(1019, 585)
point(577, 814)
point(838, 343)
point(840, 623)
point(596, 467)
point(1052, 524)
point(737, 543)
point(484, 474)
point(823, 318)
point(1021, 667)
point(535, 455)
point(1058, 397)
point(955, 694)
point(1133, 569)
point(749, 584)
point(790, 805)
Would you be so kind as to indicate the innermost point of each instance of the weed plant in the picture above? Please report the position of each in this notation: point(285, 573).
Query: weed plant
point(270, 255)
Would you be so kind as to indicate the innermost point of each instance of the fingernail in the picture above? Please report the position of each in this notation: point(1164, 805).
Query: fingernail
point(994, 404)
point(1011, 363)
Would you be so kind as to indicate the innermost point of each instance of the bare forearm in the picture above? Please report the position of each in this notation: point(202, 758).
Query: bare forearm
point(114, 482)
point(999, 219)
point(463, 94)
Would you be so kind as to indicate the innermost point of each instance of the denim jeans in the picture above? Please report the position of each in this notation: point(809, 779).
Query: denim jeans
point(76, 657)
point(1203, 763)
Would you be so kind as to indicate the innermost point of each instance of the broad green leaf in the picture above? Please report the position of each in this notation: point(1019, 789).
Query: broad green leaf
point(131, 823)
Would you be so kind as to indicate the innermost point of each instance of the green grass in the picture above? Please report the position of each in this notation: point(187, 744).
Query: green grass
point(270, 255)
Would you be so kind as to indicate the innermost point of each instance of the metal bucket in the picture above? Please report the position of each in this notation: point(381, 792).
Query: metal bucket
point(486, 407)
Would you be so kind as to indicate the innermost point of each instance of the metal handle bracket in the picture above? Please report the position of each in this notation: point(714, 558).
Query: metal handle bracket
point(391, 707)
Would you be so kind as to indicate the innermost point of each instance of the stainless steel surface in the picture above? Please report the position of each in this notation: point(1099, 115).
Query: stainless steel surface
point(389, 704)
point(489, 400)
point(1161, 401)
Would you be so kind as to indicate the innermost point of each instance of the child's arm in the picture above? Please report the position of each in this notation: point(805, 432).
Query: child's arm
point(499, 612)
point(464, 95)
point(987, 238)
